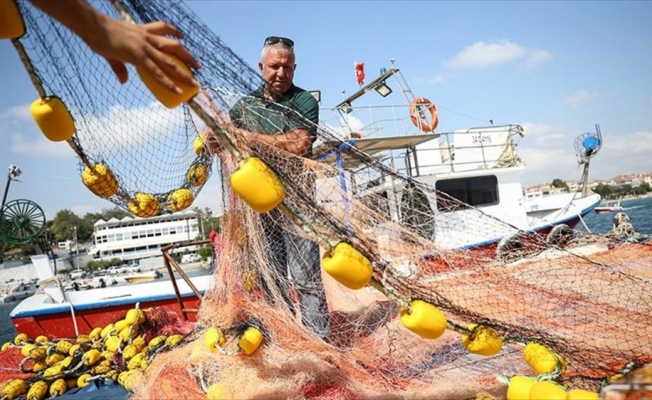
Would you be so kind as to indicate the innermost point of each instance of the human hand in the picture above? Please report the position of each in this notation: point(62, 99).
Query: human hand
point(145, 46)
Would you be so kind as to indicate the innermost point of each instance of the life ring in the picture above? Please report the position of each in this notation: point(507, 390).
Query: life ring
point(418, 117)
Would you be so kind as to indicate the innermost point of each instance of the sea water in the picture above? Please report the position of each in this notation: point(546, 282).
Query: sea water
point(639, 211)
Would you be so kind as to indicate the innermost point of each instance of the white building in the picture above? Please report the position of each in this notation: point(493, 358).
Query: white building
point(134, 237)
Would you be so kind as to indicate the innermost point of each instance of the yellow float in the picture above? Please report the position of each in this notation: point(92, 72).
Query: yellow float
point(257, 185)
point(424, 319)
point(167, 97)
point(348, 266)
point(53, 118)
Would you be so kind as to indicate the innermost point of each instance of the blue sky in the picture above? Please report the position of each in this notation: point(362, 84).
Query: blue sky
point(557, 68)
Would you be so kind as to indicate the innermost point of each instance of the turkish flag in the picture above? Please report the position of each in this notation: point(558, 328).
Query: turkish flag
point(359, 73)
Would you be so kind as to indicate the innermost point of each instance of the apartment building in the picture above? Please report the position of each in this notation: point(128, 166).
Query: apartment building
point(133, 237)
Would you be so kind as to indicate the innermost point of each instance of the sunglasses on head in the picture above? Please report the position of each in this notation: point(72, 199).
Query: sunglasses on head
point(272, 40)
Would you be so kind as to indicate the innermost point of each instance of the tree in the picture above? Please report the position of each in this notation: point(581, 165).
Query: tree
point(559, 183)
point(115, 212)
point(62, 225)
point(605, 191)
point(205, 252)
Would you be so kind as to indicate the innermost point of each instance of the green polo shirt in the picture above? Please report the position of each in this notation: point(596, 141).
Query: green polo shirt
point(295, 109)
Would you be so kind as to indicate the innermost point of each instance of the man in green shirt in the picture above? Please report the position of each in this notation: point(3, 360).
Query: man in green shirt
point(284, 116)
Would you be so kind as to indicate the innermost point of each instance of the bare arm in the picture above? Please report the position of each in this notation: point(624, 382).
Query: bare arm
point(121, 42)
point(298, 141)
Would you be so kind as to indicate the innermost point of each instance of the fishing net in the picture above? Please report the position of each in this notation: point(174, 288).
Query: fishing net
point(528, 304)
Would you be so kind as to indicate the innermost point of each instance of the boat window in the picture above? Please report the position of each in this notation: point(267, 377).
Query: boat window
point(475, 191)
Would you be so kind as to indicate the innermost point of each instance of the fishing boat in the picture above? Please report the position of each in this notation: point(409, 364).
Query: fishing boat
point(478, 167)
point(608, 208)
point(58, 313)
point(17, 291)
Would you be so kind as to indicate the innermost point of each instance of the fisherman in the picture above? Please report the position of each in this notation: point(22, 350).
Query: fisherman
point(285, 116)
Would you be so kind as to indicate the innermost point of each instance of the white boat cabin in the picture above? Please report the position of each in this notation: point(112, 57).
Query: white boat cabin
point(477, 167)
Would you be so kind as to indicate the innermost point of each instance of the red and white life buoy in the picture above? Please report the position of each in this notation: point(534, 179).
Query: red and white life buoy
point(418, 117)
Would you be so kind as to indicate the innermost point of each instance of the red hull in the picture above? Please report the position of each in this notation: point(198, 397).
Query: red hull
point(60, 324)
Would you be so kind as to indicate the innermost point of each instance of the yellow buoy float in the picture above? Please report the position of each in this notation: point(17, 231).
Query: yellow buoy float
point(12, 25)
point(38, 390)
point(100, 180)
point(167, 97)
point(250, 340)
point(58, 387)
point(542, 359)
point(180, 199)
point(214, 338)
point(424, 319)
point(53, 118)
point(258, 185)
point(547, 390)
point(482, 340)
point(198, 144)
point(197, 175)
point(519, 387)
point(144, 205)
point(348, 266)
point(218, 391)
point(13, 389)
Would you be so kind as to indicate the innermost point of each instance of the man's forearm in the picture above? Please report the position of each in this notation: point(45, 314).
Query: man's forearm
point(296, 142)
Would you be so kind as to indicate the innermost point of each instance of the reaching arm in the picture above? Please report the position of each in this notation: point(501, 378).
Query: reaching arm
point(298, 141)
point(298, 138)
point(121, 42)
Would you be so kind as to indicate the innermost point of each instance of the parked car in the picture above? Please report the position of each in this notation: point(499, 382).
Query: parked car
point(132, 268)
point(190, 258)
point(76, 274)
point(116, 269)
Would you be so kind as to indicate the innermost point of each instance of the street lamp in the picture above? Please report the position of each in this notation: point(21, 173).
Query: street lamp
point(12, 175)
point(74, 238)
point(201, 224)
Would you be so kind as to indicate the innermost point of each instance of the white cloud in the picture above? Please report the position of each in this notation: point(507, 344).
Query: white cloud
point(537, 57)
point(129, 129)
point(435, 80)
point(24, 137)
point(342, 127)
point(481, 55)
point(578, 98)
point(20, 113)
point(40, 147)
point(552, 154)
point(119, 130)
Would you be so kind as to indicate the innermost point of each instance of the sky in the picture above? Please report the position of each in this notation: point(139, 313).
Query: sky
point(555, 67)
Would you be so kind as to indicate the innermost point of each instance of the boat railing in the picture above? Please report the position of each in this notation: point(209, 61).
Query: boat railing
point(388, 133)
point(171, 263)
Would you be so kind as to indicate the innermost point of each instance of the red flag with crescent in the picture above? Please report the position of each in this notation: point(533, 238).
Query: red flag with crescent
point(359, 73)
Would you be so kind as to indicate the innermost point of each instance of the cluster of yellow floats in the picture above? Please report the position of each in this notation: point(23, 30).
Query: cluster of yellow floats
point(117, 352)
